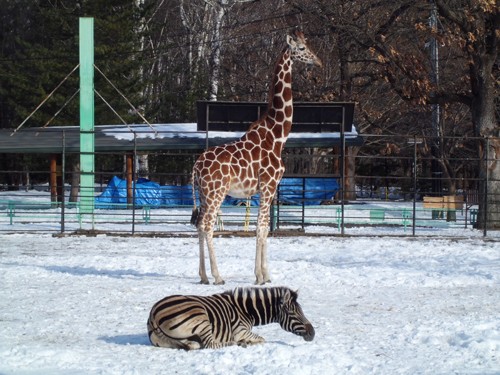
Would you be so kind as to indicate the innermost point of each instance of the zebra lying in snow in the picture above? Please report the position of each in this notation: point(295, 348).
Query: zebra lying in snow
point(195, 322)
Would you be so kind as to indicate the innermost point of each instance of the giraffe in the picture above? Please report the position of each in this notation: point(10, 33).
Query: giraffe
point(249, 165)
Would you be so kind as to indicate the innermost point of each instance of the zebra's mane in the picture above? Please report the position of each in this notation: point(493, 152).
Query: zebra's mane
point(278, 291)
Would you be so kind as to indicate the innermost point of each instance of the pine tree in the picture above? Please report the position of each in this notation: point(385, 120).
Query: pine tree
point(40, 47)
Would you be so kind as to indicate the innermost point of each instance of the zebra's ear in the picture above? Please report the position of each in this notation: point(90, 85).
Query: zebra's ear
point(288, 296)
point(285, 297)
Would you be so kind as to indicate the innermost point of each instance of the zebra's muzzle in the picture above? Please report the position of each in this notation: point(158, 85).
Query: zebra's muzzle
point(309, 333)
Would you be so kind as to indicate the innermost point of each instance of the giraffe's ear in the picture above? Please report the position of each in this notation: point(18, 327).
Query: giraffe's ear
point(291, 42)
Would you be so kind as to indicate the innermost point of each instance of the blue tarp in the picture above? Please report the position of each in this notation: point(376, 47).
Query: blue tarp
point(311, 190)
point(147, 193)
point(293, 191)
point(177, 195)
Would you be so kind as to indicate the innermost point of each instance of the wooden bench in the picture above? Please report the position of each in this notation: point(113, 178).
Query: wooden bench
point(445, 203)
point(472, 198)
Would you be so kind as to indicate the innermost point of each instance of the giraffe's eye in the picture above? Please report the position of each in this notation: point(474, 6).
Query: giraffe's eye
point(302, 48)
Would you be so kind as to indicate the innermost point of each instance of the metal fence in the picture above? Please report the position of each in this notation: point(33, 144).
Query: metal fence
point(393, 185)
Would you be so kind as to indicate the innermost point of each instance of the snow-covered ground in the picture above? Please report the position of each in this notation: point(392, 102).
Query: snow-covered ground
point(32, 211)
point(380, 305)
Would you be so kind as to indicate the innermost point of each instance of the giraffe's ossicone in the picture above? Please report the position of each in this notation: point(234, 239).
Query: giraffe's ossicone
point(251, 164)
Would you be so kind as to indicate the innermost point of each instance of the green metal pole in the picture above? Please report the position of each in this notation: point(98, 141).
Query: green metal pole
point(87, 169)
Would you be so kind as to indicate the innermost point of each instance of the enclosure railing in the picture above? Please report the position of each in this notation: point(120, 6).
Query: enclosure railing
point(389, 186)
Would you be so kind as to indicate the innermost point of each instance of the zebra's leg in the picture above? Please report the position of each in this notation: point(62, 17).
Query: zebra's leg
point(192, 345)
point(217, 345)
point(158, 338)
point(246, 337)
point(204, 331)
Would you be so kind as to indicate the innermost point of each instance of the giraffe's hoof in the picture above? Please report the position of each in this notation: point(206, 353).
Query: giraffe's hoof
point(219, 282)
point(204, 282)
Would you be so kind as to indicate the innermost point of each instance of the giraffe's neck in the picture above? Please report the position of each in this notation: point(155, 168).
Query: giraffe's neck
point(280, 106)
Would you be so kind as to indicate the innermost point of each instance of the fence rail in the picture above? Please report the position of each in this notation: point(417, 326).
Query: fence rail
point(392, 189)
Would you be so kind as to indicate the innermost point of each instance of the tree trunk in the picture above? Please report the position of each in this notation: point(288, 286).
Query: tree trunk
point(484, 120)
point(350, 173)
point(75, 183)
point(215, 59)
point(143, 165)
point(489, 202)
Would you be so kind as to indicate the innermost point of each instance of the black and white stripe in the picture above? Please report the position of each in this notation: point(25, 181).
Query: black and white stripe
point(195, 322)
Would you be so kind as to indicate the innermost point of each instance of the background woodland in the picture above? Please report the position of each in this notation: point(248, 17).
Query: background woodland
point(414, 68)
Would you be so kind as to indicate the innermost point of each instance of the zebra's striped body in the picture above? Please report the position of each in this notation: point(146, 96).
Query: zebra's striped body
point(195, 322)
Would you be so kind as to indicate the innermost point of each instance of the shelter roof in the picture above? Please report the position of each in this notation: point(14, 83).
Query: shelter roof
point(142, 138)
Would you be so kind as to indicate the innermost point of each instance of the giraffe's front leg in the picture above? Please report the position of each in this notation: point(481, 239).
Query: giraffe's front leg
point(265, 269)
point(261, 268)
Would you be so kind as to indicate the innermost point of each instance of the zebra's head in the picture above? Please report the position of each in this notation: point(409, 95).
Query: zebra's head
point(292, 318)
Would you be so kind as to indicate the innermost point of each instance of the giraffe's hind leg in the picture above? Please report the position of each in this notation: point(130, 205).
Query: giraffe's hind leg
point(202, 270)
point(205, 234)
point(211, 197)
point(213, 261)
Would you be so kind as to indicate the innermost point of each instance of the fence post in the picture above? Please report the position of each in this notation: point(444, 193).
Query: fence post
point(274, 214)
point(87, 164)
point(303, 202)
point(134, 185)
point(485, 193)
point(342, 173)
point(414, 217)
point(12, 212)
point(63, 178)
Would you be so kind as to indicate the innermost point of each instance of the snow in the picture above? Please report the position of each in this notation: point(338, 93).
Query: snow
point(379, 305)
point(184, 130)
point(32, 211)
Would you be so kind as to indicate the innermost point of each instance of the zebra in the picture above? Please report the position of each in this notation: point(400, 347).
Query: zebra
point(224, 319)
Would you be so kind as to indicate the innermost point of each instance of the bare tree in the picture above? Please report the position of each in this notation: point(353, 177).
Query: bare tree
point(389, 64)
point(474, 26)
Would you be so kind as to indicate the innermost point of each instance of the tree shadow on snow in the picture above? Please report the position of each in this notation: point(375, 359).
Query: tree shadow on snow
point(143, 340)
point(280, 343)
point(84, 271)
point(140, 339)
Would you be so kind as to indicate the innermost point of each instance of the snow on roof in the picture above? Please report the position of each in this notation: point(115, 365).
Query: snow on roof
point(189, 130)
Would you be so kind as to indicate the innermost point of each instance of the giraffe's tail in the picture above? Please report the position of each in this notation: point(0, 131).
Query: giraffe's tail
point(196, 211)
point(194, 217)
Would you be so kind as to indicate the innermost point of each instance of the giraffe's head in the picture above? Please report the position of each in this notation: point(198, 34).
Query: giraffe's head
point(300, 51)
